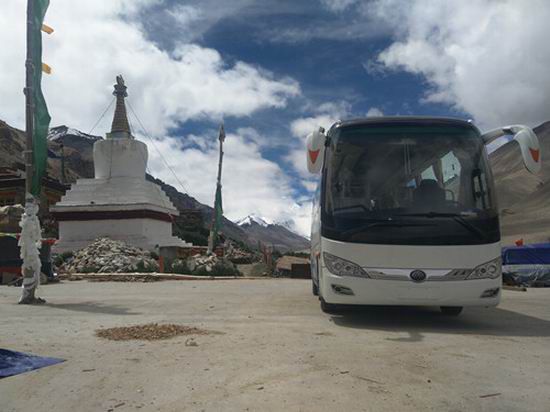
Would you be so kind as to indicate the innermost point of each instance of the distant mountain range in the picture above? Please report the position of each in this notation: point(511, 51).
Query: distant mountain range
point(278, 235)
point(61, 133)
point(77, 149)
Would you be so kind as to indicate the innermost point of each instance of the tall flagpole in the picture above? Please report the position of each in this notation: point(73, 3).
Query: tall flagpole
point(29, 99)
point(214, 227)
point(30, 225)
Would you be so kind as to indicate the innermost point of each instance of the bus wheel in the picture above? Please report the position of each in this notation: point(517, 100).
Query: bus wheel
point(314, 289)
point(451, 310)
point(329, 308)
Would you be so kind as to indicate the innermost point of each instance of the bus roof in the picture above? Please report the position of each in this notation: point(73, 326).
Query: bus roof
point(404, 120)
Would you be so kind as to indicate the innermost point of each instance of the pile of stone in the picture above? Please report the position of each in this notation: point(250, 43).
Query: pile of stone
point(105, 255)
point(238, 255)
point(205, 265)
point(10, 216)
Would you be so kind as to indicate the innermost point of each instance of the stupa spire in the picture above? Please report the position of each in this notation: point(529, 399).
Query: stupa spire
point(120, 128)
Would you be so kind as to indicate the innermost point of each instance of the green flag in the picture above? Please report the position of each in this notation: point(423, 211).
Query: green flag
point(41, 116)
point(218, 211)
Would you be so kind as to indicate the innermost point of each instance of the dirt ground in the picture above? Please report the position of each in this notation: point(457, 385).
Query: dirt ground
point(276, 351)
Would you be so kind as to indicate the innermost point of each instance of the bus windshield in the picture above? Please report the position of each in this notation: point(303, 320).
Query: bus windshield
point(408, 185)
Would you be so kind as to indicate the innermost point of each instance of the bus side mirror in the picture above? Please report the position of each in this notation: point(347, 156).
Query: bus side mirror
point(530, 150)
point(315, 147)
point(528, 143)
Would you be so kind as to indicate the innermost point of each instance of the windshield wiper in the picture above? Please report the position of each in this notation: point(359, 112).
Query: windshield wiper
point(457, 217)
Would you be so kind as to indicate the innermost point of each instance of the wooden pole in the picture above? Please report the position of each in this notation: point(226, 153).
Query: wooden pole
point(30, 225)
point(213, 235)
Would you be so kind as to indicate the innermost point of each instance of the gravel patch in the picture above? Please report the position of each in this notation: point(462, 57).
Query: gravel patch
point(150, 331)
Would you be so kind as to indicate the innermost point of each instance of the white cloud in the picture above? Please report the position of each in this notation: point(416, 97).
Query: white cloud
point(198, 16)
point(338, 5)
point(487, 58)
point(374, 112)
point(324, 115)
point(303, 126)
point(185, 14)
point(96, 40)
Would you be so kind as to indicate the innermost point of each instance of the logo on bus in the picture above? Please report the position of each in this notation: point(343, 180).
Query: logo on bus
point(418, 276)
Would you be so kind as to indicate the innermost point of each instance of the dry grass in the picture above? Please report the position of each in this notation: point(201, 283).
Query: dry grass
point(150, 331)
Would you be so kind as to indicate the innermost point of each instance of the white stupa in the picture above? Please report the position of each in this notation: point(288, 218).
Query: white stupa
point(118, 203)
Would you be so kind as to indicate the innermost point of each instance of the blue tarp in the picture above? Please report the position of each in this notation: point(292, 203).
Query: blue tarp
point(534, 254)
point(14, 363)
point(527, 265)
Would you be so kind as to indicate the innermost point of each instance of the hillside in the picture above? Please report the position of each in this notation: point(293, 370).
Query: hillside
point(78, 153)
point(523, 199)
point(12, 144)
point(184, 201)
point(277, 235)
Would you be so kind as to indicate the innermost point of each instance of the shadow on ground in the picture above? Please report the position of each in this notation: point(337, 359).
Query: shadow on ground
point(418, 321)
point(93, 307)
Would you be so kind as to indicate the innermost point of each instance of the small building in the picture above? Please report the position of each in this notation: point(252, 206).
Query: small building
point(118, 203)
point(12, 189)
point(293, 267)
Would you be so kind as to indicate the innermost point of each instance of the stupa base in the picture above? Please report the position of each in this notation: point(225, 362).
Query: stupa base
point(146, 234)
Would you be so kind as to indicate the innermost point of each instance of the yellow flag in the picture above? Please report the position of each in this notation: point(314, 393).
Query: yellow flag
point(46, 69)
point(47, 29)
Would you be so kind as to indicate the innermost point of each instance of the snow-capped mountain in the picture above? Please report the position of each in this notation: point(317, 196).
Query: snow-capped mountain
point(250, 219)
point(77, 151)
point(59, 132)
point(279, 235)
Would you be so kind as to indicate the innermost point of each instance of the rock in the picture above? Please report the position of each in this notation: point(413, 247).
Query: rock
point(10, 216)
point(105, 255)
point(239, 256)
point(191, 342)
point(205, 265)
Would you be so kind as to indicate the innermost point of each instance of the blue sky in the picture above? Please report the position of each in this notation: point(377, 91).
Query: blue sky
point(274, 70)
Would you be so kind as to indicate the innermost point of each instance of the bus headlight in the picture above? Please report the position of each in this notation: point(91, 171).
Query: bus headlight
point(489, 270)
point(343, 267)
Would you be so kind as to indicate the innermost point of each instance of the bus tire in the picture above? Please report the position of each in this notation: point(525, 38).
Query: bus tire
point(451, 310)
point(329, 308)
point(314, 289)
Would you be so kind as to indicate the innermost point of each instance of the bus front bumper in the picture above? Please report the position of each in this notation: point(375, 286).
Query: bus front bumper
point(365, 291)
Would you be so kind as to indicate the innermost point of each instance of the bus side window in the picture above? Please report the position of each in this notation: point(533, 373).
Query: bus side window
point(485, 191)
point(481, 195)
point(451, 169)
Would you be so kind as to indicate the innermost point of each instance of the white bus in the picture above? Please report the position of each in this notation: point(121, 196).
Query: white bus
point(405, 212)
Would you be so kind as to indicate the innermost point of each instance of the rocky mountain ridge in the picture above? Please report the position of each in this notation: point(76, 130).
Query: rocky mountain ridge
point(278, 235)
point(60, 132)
